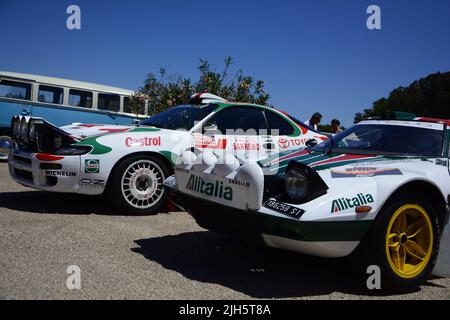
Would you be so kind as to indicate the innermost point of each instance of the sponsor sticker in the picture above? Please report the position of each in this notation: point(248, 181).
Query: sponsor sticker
point(246, 144)
point(143, 142)
point(342, 204)
point(91, 166)
point(239, 182)
point(86, 182)
point(59, 173)
point(284, 143)
point(364, 172)
point(205, 142)
point(214, 189)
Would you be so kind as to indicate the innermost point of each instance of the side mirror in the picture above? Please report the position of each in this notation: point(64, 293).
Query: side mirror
point(5, 147)
point(311, 143)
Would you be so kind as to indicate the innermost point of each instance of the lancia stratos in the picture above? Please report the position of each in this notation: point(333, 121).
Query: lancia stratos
point(377, 193)
point(130, 163)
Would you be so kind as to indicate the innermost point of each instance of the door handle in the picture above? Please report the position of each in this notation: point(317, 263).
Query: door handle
point(25, 112)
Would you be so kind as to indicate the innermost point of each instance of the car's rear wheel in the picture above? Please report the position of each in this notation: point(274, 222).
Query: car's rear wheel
point(404, 243)
point(137, 185)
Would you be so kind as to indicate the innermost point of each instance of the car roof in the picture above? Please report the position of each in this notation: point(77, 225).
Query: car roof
point(436, 120)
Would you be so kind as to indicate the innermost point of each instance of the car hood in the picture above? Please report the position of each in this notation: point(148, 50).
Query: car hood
point(320, 161)
point(83, 131)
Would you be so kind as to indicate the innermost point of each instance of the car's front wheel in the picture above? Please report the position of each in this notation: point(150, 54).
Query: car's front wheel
point(404, 243)
point(136, 186)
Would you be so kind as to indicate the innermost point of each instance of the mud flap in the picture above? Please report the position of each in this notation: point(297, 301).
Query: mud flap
point(442, 267)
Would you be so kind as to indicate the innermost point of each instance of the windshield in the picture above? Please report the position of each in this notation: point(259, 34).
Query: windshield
point(179, 117)
point(387, 138)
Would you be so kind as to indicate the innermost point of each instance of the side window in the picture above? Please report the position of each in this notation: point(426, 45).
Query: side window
point(50, 94)
point(240, 120)
point(80, 98)
point(128, 108)
point(278, 123)
point(126, 105)
point(14, 89)
point(109, 102)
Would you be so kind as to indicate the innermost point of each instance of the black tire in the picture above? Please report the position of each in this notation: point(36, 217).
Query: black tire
point(373, 250)
point(123, 187)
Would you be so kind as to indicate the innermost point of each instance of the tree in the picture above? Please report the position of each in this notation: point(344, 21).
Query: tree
point(163, 91)
point(427, 97)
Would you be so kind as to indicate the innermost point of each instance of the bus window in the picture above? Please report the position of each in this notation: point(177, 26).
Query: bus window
point(79, 98)
point(50, 94)
point(109, 102)
point(14, 89)
point(126, 105)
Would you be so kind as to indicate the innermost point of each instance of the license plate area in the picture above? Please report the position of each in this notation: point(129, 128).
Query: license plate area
point(284, 208)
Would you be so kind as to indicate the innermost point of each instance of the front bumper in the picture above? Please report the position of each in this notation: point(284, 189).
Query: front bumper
point(59, 174)
point(319, 238)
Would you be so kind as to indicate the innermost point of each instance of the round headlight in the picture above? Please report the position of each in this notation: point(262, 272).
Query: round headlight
point(32, 131)
point(296, 184)
point(15, 127)
point(23, 129)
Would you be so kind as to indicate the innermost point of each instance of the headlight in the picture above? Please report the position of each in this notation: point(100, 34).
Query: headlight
point(15, 127)
point(296, 184)
point(23, 129)
point(31, 131)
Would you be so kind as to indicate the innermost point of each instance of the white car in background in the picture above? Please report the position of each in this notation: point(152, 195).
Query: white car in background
point(130, 163)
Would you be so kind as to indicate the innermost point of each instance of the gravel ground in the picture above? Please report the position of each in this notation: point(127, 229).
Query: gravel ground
point(166, 256)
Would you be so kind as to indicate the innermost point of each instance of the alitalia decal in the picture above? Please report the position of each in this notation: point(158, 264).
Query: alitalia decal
point(364, 172)
point(212, 189)
point(342, 204)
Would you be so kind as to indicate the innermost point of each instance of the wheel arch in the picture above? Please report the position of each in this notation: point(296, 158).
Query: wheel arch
point(422, 188)
point(155, 154)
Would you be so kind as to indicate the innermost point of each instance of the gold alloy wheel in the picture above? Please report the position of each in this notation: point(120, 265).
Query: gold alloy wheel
point(409, 240)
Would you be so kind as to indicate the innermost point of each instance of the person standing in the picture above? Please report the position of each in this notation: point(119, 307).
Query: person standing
point(314, 121)
point(335, 126)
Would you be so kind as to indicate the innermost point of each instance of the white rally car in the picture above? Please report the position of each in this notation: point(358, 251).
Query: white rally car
point(377, 192)
point(131, 162)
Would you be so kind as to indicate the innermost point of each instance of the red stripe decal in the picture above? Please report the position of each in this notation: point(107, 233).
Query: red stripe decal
point(48, 157)
point(113, 130)
point(344, 157)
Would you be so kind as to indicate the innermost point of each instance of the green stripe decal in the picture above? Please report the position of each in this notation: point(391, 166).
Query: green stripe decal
point(141, 129)
point(97, 148)
point(170, 156)
point(313, 231)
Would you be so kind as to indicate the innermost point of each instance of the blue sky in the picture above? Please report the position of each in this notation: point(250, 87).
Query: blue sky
point(313, 55)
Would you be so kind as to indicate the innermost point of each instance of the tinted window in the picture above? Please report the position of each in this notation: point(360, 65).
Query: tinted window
point(16, 90)
point(277, 123)
point(180, 117)
point(380, 138)
point(79, 98)
point(110, 102)
point(239, 120)
point(50, 94)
